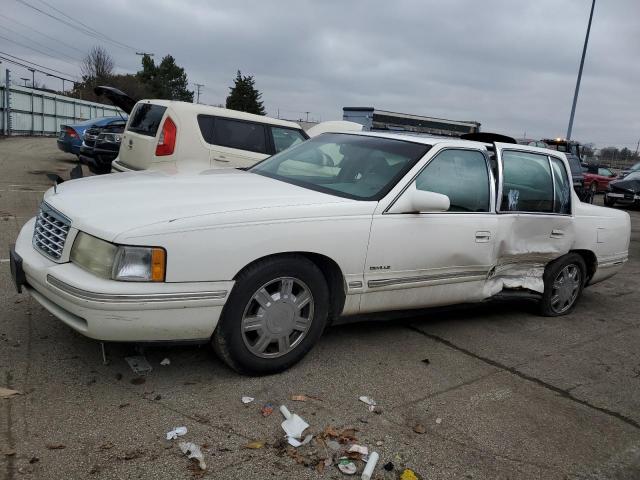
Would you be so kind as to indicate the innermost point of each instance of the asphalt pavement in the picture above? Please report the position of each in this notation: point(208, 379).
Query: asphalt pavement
point(489, 391)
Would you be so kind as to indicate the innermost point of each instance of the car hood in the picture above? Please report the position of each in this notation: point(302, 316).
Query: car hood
point(632, 185)
point(109, 205)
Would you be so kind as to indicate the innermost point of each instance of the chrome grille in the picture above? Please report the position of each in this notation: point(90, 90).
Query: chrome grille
point(50, 232)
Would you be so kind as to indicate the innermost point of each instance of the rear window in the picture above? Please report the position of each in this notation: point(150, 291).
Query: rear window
point(146, 118)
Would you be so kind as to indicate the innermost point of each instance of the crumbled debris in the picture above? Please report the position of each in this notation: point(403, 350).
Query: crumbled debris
point(165, 362)
point(55, 446)
point(426, 361)
point(408, 474)
point(192, 451)
point(95, 469)
point(419, 428)
point(346, 466)
point(438, 421)
point(388, 466)
point(254, 445)
point(247, 400)
point(176, 432)
point(266, 410)
point(106, 446)
point(9, 453)
point(33, 460)
point(157, 397)
point(299, 398)
point(8, 393)
point(293, 426)
point(131, 454)
point(139, 364)
point(123, 405)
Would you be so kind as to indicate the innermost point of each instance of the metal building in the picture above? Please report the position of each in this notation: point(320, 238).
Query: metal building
point(377, 120)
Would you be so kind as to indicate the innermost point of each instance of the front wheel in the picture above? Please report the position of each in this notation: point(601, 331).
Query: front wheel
point(564, 280)
point(275, 314)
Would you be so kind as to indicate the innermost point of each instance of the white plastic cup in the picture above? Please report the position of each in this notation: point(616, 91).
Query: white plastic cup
point(369, 467)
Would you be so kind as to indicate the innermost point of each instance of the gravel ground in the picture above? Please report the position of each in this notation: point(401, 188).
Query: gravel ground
point(497, 391)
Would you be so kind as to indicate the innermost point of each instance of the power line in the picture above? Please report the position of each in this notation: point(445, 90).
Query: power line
point(32, 63)
point(87, 31)
point(34, 49)
point(40, 44)
point(43, 34)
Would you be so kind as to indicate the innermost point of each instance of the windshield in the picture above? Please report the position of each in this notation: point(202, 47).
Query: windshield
point(636, 166)
point(352, 166)
point(633, 176)
point(574, 165)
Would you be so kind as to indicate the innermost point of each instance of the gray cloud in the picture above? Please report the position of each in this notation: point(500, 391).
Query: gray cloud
point(510, 64)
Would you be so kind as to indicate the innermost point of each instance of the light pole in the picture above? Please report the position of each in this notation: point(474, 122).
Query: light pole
point(584, 52)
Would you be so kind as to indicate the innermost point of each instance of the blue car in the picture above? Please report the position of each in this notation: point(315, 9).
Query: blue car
point(70, 136)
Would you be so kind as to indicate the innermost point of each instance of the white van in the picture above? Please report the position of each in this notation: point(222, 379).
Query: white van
point(180, 137)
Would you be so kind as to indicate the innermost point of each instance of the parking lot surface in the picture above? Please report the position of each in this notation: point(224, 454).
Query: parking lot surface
point(483, 391)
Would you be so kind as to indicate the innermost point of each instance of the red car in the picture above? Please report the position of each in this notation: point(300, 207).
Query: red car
point(596, 179)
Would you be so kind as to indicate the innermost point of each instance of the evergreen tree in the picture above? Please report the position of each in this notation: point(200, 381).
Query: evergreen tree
point(244, 96)
point(165, 81)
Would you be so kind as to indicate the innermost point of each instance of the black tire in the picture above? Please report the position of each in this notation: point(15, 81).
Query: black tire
point(593, 189)
point(228, 340)
point(608, 202)
point(547, 306)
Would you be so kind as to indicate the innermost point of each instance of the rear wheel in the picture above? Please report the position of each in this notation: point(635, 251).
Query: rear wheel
point(593, 189)
point(275, 314)
point(564, 280)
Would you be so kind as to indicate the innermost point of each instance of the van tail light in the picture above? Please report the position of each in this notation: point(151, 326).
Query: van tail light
point(71, 132)
point(167, 140)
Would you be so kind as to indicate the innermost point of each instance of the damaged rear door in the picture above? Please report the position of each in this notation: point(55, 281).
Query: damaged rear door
point(534, 206)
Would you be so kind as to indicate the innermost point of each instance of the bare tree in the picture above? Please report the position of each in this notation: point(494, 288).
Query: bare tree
point(97, 65)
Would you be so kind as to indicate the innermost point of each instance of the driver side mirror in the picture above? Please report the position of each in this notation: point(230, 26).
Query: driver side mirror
point(416, 201)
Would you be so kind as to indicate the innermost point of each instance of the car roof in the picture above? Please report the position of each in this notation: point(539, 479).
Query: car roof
point(221, 112)
point(433, 141)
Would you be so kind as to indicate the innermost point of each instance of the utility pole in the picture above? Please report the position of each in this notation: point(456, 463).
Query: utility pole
point(198, 87)
point(584, 52)
point(25, 80)
point(307, 115)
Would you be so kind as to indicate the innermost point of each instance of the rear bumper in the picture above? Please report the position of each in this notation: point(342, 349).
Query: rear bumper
point(117, 166)
point(119, 311)
point(623, 197)
point(68, 147)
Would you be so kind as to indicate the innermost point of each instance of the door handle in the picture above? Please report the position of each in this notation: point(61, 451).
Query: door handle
point(483, 236)
point(555, 233)
point(221, 158)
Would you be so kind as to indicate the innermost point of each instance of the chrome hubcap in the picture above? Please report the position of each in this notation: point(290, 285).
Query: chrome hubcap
point(565, 288)
point(278, 317)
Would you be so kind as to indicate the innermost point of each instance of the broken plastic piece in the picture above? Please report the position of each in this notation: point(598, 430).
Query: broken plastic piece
point(370, 466)
point(139, 364)
point(176, 432)
point(293, 426)
point(368, 400)
point(438, 420)
point(359, 449)
point(346, 466)
point(254, 445)
point(165, 362)
point(246, 400)
point(299, 398)
point(191, 450)
point(333, 445)
point(296, 443)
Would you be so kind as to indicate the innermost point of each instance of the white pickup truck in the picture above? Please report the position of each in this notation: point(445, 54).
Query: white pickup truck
point(258, 262)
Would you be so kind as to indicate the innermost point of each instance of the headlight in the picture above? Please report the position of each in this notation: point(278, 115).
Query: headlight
point(112, 137)
point(106, 260)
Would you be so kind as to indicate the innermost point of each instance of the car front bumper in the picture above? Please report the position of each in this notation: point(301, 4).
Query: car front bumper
point(623, 197)
point(117, 311)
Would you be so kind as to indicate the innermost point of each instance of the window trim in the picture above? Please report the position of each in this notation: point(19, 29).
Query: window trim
point(569, 179)
point(273, 142)
point(553, 184)
point(492, 184)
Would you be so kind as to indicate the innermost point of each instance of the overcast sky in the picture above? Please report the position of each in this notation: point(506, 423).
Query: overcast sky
point(509, 64)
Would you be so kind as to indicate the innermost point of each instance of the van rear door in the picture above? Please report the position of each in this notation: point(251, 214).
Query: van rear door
point(137, 150)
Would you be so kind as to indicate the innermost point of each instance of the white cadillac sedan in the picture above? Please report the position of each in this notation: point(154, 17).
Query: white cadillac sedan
point(258, 262)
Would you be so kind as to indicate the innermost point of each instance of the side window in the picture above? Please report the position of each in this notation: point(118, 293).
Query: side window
point(527, 183)
point(241, 135)
point(462, 175)
point(205, 122)
point(284, 138)
point(562, 188)
point(605, 172)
